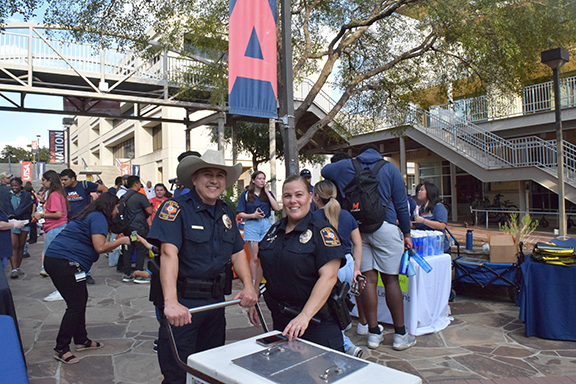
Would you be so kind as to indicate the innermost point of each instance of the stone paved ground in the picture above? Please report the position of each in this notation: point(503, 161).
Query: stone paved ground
point(485, 342)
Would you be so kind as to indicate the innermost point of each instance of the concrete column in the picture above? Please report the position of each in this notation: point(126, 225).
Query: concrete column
point(453, 192)
point(221, 121)
point(403, 170)
point(234, 147)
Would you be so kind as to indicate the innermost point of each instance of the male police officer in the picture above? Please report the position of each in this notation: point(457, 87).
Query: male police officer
point(198, 237)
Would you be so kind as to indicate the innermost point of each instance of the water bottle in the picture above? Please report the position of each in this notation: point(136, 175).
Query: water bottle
point(423, 263)
point(404, 263)
point(469, 240)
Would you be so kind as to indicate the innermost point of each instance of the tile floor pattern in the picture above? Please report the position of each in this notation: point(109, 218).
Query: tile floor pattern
point(484, 344)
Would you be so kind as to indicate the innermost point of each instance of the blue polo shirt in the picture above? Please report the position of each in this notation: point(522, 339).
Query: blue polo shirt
point(79, 197)
point(247, 207)
point(74, 243)
point(5, 238)
point(206, 236)
point(346, 224)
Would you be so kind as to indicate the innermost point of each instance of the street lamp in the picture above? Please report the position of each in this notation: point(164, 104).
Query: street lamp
point(38, 157)
point(556, 58)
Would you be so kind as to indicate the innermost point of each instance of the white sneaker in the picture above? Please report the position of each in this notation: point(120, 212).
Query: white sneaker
point(54, 296)
point(362, 329)
point(374, 339)
point(43, 272)
point(355, 351)
point(402, 342)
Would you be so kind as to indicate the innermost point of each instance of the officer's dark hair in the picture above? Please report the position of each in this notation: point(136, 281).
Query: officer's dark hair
point(263, 197)
point(188, 153)
point(340, 156)
point(68, 173)
point(104, 204)
point(131, 180)
point(366, 147)
point(118, 180)
point(433, 195)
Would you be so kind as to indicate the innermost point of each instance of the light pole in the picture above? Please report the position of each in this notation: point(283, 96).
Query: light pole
point(38, 156)
point(556, 58)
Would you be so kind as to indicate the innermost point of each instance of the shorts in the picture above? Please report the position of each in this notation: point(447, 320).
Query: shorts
point(51, 235)
point(255, 229)
point(18, 231)
point(382, 250)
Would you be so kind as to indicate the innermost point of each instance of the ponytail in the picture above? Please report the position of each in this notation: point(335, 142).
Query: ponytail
point(326, 191)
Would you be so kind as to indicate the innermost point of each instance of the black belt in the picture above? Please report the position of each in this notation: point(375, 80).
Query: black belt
point(290, 310)
point(202, 289)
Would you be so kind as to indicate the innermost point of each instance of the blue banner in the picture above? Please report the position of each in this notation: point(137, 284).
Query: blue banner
point(252, 79)
point(41, 169)
point(136, 170)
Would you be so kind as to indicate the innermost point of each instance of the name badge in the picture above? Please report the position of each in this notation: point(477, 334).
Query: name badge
point(200, 227)
point(80, 276)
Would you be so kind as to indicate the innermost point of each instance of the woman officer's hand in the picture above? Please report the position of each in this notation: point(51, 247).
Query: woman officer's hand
point(296, 327)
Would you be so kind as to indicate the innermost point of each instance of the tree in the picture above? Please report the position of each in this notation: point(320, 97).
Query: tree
point(254, 139)
point(380, 52)
point(9, 8)
point(17, 154)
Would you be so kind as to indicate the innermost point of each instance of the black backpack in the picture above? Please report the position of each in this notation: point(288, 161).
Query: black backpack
point(362, 200)
point(120, 222)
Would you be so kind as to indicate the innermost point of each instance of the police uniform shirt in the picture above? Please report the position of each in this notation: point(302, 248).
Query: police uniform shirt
point(205, 238)
point(291, 261)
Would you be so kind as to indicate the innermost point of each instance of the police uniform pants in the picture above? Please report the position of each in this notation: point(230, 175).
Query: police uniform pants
point(207, 330)
point(327, 333)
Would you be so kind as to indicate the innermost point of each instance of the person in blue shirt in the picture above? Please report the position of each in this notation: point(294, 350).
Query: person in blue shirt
point(305, 173)
point(382, 250)
point(67, 260)
point(433, 215)
point(255, 206)
point(19, 205)
point(328, 208)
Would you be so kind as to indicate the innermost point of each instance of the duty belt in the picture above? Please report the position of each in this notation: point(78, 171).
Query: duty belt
point(202, 289)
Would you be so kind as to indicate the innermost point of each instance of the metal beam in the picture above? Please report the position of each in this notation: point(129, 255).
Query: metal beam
point(204, 121)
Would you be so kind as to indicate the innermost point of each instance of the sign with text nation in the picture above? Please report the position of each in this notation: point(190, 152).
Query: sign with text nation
point(57, 146)
point(252, 81)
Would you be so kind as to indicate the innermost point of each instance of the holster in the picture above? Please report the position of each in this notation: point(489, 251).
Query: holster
point(229, 278)
point(340, 304)
point(202, 289)
point(291, 311)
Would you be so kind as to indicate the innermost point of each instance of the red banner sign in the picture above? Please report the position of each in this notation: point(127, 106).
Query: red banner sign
point(26, 171)
point(34, 145)
point(124, 169)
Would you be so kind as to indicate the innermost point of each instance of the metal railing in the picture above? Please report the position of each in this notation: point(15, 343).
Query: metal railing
point(535, 98)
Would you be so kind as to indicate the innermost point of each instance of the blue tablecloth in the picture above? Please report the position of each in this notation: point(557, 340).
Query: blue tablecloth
point(485, 274)
point(547, 300)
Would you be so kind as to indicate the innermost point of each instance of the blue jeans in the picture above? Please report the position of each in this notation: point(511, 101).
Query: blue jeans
point(51, 235)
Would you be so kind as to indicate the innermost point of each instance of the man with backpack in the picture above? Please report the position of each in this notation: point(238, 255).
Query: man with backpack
point(373, 191)
point(78, 195)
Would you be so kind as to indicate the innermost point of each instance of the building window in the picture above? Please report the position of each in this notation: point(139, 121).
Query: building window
point(157, 138)
point(124, 150)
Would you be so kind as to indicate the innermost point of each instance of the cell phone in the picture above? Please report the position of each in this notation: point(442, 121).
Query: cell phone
point(258, 210)
point(272, 340)
point(133, 236)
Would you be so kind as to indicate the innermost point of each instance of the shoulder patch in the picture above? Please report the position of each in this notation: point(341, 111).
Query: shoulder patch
point(329, 237)
point(169, 211)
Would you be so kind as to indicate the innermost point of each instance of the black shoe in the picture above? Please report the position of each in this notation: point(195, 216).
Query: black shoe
point(26, 255)
point(32, 241)
point(90, 280)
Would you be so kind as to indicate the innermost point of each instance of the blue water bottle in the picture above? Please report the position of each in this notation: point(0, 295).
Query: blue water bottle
point(469, 240)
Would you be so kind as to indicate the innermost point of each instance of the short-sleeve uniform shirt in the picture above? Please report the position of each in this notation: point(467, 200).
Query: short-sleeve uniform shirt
point(291, 261)
point(79, 197)
point(206, 236)
point(346, 224)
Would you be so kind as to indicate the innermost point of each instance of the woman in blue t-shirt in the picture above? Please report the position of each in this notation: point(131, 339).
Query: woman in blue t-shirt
point(328, 208)
point(432, 213)
point(255, 206)
point(69, 256)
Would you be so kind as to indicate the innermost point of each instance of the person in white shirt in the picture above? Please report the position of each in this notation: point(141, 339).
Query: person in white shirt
point(149, 189)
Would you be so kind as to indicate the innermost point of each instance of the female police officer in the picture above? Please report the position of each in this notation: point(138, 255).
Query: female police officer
point(300, 257)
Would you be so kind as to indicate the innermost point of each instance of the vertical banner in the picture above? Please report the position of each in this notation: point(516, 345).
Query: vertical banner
point(252, 80)
point(124, 169)
point(41, 167)
point(34, 146)
point(26, 171)
point(136, 170)
point(57, 146)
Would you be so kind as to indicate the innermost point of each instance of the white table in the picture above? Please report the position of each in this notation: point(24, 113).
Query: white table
point(426, 307)
point(217, 363)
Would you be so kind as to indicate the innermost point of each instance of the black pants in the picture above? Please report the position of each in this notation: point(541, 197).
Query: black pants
point(207, 330)
point(327, 333)
point(76, 296)
point(33, 233)
point(141, 254)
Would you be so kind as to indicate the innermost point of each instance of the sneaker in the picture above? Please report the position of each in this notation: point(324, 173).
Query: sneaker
point(142, 280)
point(26, 255)
point(155, 347)
point(127, 278)
point(355, 351)
point(374, 339)
point(362, 329)
point(54, 296)
point(90, 280)
point(402, 342)
point(20, 273)
point(14, 274)
point(43, 272)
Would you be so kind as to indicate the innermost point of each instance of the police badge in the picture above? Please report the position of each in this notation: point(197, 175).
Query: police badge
point(227, 222)
point(306, 236)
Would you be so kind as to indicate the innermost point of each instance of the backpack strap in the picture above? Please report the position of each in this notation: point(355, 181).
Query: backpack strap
point(378, 166)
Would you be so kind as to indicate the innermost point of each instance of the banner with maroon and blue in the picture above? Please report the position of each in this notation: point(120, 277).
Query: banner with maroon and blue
point(252, 81)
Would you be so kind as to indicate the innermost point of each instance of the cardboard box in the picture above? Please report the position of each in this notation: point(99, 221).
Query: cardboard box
point(502, 249)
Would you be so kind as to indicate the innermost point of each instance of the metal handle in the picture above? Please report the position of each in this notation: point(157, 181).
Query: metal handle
point(271, 350)
point(334, 368)
point(210, 307)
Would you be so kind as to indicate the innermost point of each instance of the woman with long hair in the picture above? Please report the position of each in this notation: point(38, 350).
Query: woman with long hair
point(162, 195)
point(433, 215)
point(300, 257)
point(328, 208)
point(255, 207)
point(68, 258)
point(19, 204)
point(55, 210)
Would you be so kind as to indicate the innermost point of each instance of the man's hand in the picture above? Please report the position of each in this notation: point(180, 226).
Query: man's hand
point(407, 242)
point(177, 314)
point(248, 296)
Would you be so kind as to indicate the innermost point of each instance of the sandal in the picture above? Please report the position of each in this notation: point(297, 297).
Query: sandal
point(71, 359)
point(89, 344)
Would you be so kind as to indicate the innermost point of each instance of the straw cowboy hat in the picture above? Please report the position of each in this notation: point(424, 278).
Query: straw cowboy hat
point(210, 159)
